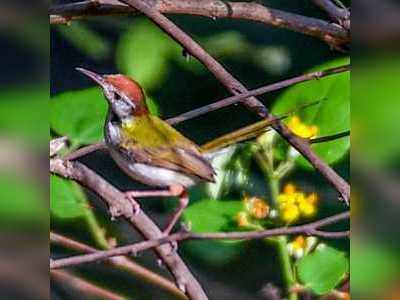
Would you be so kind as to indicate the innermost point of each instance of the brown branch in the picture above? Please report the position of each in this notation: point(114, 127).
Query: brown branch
point(338, 14)
point(328, 138)
point(83, 286)
point(307, 229)
point(121, 262)
point(120, 207)
point(223, 103)
point(235, 87)
point(256, 92)
point(325, 31)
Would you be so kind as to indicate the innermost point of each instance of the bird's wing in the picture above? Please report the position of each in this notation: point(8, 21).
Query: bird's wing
point(173, 158)
point(152, 141)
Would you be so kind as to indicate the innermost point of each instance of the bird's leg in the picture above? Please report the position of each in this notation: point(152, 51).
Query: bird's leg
point(180, 192)
point(173, 191)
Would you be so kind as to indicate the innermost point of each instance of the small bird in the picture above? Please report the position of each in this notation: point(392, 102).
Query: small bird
point(150, 150)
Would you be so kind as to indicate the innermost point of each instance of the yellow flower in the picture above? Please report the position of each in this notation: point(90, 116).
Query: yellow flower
point(294, 203)
point(301, 245)
point(257, 207)
point(307, 205)
point(289, 212)
point(242, 219)
point(301, 129)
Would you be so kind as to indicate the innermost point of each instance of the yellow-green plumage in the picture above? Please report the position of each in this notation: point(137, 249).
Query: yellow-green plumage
point(150, 140)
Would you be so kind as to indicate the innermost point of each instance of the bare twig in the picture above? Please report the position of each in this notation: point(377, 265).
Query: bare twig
point(121, 262)
point(85, 151)
point(119, 206)
point(307, 229)
point(83, 286)
point(331, 34)
point(328, 138)
point(336, 13)
point(235, 87)
point(256, 92)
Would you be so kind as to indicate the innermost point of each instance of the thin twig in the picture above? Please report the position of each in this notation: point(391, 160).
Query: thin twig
point(328, 138)
point(336, 13)
point(330, 33)
point(307, 229)
point(121, 262)
point(119, 206)
point(83, 286)
point(256, 92)
point(85, 151)
point(235, 87)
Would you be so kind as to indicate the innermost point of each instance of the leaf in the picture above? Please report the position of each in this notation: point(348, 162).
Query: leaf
point(322, 270)
point(331, 115)
point(373, 268)
point(143, 52)
point(21, 201)
point(21, 113)
point(66, 200)
point(79, 115)
point(153, 106)
point(212, 215)
point(86, 40)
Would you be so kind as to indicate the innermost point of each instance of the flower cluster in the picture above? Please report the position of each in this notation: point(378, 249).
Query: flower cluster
point(302, 130)
point(301, 245)
point(255, 209)
point(293, 204)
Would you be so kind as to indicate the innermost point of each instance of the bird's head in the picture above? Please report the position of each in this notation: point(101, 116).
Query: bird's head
point(124, 95)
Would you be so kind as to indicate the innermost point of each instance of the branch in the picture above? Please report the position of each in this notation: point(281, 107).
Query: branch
point(325, 31)
point(226, 102)
point(118, 206)
point(84, 287)
point(122, 263)
point(256, 92)
point(328, 138)
point(307, 229)
point(235, 87)
point(338, 14)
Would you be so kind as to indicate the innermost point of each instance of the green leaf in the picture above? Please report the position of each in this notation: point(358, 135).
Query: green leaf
point(373, 268)
point(21, 113)
point(86, 40)
point(331, 115)
point(79, 115)
point(153, 106)
point(212, 215)
point(322, 270)
point(143, 52)
point(22, 201)
point(66, 199)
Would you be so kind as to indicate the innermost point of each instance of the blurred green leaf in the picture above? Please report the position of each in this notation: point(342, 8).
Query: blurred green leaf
point(21, 201)
point(79, 115)
point(143, 52)
point(86, 40)
point(66, 200)
point(373, 268)
point(375, 107)
point(212, 215)
point(153, 106)
point(331, 115)
point(322, 270)
point(22, 110)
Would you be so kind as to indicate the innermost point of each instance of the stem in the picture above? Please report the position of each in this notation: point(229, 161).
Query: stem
point(286, 263)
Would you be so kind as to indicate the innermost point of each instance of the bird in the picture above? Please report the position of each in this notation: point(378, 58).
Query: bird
point(150, 150)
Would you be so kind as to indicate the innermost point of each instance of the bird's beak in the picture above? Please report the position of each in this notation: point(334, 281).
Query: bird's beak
point(99, 79)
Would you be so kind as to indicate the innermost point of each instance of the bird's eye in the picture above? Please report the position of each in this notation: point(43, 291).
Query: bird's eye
point(117, 96)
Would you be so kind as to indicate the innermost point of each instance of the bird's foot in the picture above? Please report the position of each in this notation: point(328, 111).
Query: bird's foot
point(135, 205)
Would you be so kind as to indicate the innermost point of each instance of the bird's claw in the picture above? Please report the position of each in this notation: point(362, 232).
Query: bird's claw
point(134, 203)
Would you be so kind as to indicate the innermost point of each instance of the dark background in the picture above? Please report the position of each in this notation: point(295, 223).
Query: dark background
point(256, 265)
